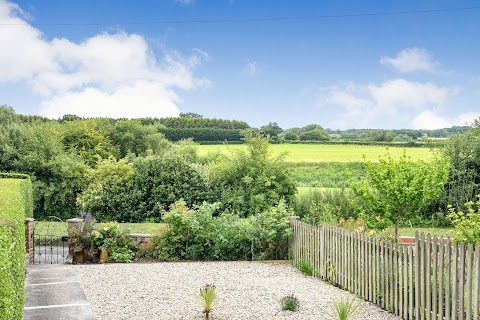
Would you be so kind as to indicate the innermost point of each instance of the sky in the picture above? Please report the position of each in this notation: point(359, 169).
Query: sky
point(340, 64)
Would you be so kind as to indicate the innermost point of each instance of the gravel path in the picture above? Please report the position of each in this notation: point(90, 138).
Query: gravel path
point(245, 290)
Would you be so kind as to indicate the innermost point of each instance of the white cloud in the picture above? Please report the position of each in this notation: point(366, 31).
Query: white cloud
point(408, 94)
point(433, 120)
point(369, 105)
point(411, 59)
point(251, 68)
point(115, 75)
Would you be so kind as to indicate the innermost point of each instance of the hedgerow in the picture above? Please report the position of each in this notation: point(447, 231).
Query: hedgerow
point(15, 205)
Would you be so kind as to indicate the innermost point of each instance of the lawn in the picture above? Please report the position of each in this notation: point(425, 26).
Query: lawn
point(326, 153)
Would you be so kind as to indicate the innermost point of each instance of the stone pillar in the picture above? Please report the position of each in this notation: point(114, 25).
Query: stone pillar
point(74, 223)
point(29, 239)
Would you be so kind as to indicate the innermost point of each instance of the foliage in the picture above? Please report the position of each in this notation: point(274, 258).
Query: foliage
point(463, 153)
point(139, 190)
point(36, 149)
point(208, 296)
point(343, 309)
point(131, 137)
point(290, 303)
point(15, 205)
point(90, 139)
point(108, 190)
point(248, 182)
point(202, 134)
point(83, 238)
point(394, 189)
point(468, 223)
point(269, 233)
point(161, 180)
point(324, 174)
point(324, 206)
point(198, 234)
point(305, 267)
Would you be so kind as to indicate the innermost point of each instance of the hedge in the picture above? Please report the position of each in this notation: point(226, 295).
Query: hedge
point(15, 205)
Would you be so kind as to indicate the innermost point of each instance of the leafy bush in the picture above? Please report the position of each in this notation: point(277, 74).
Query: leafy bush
point(15, 205)
point(139, 190)
point(249, 182)
point(468, 223)
point(120, 247)
point(197, 234)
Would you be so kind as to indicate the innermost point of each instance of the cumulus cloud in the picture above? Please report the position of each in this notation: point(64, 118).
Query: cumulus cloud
point(433, 120)
point(115, 75)
point(411, 59)
point(369, 105)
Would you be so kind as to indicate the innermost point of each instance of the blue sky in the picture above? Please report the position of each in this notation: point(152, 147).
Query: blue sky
point(340, 64)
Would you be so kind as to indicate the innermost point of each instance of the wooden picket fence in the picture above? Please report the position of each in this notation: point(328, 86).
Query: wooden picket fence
point(433, 279)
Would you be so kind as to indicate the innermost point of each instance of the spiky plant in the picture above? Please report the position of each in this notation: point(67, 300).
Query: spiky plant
point(208, 296)
point(343, 309)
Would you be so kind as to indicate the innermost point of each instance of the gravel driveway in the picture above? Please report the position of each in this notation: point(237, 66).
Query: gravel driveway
point(245, 290)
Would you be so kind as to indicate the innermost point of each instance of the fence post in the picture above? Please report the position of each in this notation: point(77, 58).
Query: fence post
point(29, 239)
point(75, 223)
point(293, 238)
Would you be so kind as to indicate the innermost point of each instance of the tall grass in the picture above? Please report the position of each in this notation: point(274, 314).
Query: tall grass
point(320, 206)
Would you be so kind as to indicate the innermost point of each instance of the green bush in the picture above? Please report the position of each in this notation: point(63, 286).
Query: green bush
point(252, 180)
point(139, 190)
point(198, 234)
point(15, 205)
point(467, 223)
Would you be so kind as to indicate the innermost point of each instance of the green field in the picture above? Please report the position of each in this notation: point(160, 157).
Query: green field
point(326, 152)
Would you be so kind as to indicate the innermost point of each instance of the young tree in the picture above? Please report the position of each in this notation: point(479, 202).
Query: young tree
point(392, 190)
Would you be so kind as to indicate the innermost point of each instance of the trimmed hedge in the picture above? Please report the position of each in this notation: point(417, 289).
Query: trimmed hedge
point(15, 205)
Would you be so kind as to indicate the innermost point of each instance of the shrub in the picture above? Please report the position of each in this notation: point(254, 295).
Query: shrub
point(289, 303)
point(249, 182)
point(198, 234)
point(270, 231)
point(15, 205)
point(468, 223)
point(120, 247)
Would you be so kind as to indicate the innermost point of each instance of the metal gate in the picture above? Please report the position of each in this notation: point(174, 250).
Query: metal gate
point(50, 241)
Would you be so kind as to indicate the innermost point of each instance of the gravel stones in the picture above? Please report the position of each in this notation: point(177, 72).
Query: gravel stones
point(245, 290)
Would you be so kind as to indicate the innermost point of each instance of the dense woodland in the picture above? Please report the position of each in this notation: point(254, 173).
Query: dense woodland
point(133, 170)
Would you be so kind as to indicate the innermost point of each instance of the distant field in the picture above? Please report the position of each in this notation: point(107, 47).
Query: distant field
point(327, 153)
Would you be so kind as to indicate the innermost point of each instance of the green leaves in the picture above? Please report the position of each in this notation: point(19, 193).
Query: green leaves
point(396, 189)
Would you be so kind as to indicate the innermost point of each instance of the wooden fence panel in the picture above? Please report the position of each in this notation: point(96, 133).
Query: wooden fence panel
point(434, 279)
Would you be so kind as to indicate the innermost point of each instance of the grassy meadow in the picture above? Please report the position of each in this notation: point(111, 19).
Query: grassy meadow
point(313, 153)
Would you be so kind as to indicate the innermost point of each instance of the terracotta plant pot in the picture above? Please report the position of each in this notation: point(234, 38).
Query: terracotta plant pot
point(78, 256)
point(103, 256)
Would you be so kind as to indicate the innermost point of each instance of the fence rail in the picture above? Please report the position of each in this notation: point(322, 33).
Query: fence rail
point(435, 279)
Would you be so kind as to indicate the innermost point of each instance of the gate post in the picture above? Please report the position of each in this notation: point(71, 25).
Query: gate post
point(75, 223)
point(29, 239)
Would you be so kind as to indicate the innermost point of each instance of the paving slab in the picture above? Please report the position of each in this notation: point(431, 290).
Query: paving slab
point(54, 292)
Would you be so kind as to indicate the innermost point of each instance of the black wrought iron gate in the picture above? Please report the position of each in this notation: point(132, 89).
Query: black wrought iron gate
point(50, 241)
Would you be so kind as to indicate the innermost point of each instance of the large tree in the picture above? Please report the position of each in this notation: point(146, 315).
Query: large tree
point(396, 189)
